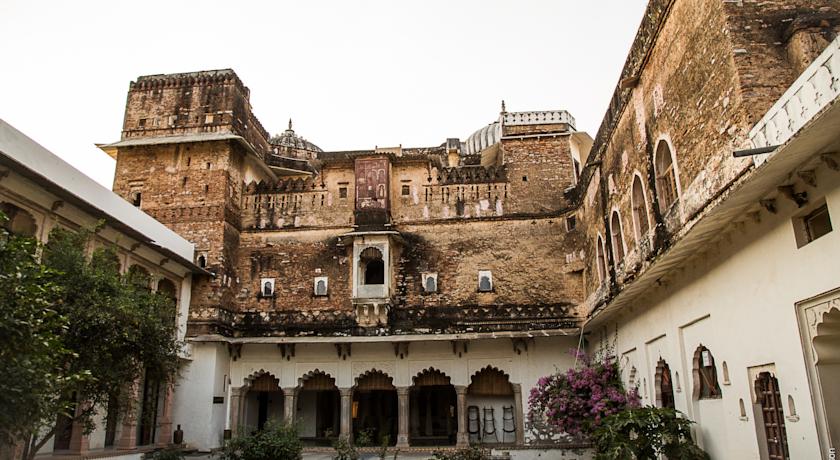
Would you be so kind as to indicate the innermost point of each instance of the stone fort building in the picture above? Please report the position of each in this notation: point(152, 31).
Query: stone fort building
point(419, 293)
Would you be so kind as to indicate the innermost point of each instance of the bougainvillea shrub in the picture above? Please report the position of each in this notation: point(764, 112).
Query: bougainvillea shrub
point(575, 402)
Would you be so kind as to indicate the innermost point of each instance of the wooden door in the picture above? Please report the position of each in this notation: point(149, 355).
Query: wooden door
point(767, 393)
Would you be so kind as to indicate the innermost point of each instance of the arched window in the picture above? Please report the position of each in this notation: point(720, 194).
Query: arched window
point(600, 259)
point(19, 222)
point(705, 375)
point(617, 238)
point(139, 276)
point(373, 266)
point(166, 288)
point(664, 385)
point(202, 261)
point(640, 214)
point(666, 178)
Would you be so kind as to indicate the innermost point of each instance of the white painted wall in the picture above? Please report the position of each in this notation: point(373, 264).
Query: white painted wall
point(201, 379)
point(739, 301)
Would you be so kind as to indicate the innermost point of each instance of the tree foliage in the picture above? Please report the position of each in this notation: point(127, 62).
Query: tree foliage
point(80, 333)
point(645, 434)
point(32, 351)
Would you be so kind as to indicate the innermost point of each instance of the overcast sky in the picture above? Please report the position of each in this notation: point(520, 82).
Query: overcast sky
point(351, 74)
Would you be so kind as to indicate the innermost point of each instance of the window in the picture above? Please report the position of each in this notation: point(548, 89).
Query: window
point(705, 375)
point(202, 261)
point(406, 190)
point(321, 286)
point(430, 284)
point(342, 192)
point(142, 122)
point(267, 287)
point(640, 214)
point(666, 180)
point(617, 238)
point(375, 272)
point(18, 221)
point(136, 199)
point(485, 281)
point(571, 223)
point(600, 259)
point(812, 225)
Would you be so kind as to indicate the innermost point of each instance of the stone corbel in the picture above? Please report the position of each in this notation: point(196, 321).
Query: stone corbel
point(287, 350)
point(459, 347)
point(808, 176)
point(4, 174)
point(519, 345)
point(788, 191)
point(134, 247)
point(56, 205)
point(769, 205)
point(343, 350)
point(832, 160)
point(401, 349)
point(235, 350)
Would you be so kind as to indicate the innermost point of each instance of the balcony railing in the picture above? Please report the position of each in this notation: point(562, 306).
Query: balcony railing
point(815, 88)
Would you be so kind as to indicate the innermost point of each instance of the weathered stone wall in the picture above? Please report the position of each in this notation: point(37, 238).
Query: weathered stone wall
point(194, 189)
point(540, 170)
point(533, 261)
point(192, 103)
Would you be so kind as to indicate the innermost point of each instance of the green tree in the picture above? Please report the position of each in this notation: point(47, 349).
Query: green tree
point(646, 433)
point(276, 441)
point(31, 348)
point(112, 331)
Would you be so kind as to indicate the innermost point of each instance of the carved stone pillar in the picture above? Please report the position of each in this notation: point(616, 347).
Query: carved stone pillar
point(518, 414)
point(402, 413)
point(128, 433)
point(414, 415)
point(289, 403)
point(463, 439)
point(165, 431)
point(346, 406)
point(236, 397)
point(79, 441)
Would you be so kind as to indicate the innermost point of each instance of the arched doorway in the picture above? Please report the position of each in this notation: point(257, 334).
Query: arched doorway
point(433, 418)
point(490, 408)
point(374, 409)
point(263, 402)
point(319, 408)
point(826, 373)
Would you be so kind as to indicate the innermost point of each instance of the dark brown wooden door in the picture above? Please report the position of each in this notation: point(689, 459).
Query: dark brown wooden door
point(767, 392)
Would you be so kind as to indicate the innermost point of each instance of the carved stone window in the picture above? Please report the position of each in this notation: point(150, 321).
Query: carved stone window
point(342, 192)
point(705, 375)
point(485, 281)
point(267, 287)
point(321, 286)
point(666, 178)
point(430, 284)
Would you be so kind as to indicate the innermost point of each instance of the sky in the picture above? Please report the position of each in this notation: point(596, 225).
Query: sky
point(351, 74)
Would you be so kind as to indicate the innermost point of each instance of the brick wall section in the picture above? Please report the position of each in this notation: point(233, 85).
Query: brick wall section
point(539, 169)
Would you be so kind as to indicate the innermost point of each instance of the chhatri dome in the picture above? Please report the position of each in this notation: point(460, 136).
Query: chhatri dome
point(291, 140)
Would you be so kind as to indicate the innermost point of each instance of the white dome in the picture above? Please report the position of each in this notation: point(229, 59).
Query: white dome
point(483, 138)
